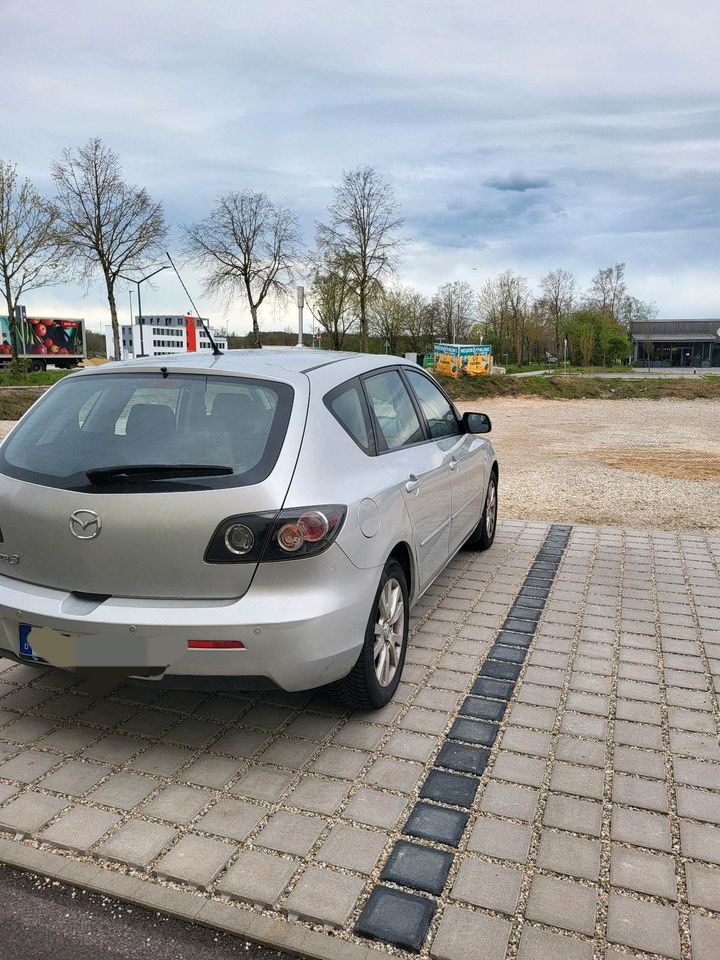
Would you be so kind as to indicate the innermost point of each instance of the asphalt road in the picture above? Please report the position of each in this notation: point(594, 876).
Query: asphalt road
point(41, 919)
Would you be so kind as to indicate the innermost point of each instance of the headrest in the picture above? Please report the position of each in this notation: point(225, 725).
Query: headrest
point(150, 420)
point(233, 408)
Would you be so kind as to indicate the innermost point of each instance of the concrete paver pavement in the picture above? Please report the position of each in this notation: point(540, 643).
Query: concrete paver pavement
point(546, 781)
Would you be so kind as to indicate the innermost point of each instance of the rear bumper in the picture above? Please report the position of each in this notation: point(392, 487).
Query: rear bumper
point(302, 624)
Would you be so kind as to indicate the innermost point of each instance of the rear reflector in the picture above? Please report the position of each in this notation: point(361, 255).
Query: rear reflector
point(215, 645)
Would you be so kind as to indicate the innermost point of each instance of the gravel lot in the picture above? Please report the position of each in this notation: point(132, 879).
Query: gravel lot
point(645, 464)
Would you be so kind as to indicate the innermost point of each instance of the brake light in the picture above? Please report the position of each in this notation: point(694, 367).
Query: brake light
point(289, 534)
point(311, 527)
point(215, 645)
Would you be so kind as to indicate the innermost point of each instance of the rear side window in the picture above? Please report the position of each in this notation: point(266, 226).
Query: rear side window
point(394, 411)
point(347, 405)
point(133, 420)
point(436, 409)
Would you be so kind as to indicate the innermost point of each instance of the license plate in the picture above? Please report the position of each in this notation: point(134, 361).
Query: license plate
point(26, 651)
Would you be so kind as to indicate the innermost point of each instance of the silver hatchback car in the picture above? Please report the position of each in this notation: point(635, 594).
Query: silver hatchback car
point(262, 515)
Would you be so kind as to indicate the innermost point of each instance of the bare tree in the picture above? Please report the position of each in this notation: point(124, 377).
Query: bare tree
point(632, 310)
point(505, 308)
point(246, 243)
point(107, 224)
point(418, 320)
point(387, 316)
point(29, 253)
point(363, 232)
point(558, 295)
point(455, 307)
point(608, 290)
point(331, 301)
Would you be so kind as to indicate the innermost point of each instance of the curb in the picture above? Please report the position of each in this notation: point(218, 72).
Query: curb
point(228, 918)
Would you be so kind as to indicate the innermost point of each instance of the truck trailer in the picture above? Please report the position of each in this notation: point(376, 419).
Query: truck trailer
point(44, 341)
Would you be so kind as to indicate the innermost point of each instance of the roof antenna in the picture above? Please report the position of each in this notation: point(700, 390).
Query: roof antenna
point(215, 349)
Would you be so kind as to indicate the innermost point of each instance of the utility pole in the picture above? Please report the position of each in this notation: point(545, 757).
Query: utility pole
point(300, 305)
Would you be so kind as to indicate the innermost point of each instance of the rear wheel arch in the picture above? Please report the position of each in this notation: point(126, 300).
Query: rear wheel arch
point(402, 553)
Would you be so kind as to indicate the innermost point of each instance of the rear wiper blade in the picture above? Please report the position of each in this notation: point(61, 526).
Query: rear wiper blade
point(156, 471)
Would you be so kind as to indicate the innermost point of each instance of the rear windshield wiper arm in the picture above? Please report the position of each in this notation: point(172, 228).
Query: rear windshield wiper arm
point(152, 471)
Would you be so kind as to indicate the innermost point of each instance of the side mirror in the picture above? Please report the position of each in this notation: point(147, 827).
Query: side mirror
point(476, 423)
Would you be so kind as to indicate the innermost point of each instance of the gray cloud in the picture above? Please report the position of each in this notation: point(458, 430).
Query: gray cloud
point(519, 136)
point(518, 183)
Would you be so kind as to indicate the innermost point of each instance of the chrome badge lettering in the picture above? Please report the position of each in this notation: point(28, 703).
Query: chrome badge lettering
point(9, 558)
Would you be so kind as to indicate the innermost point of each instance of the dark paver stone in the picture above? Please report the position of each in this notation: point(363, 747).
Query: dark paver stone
point(483, 709)
point(523, 603)
point(421, 868)
point(507, 654)
point(537, 578)
point(474, 731)
point(511, 638)
point(496, 670)
point(522, 612)
point(489, 687)
point(519, 626)
point(533, 591)
point(396, 917)
point(449, 788)
point(436, 823)
point(455, 756)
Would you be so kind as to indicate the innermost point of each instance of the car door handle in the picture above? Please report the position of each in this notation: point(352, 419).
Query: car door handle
point(413, 484)
point(453, 463)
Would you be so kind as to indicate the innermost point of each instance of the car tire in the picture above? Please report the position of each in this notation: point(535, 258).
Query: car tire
point(373, 680)
point(483, 535)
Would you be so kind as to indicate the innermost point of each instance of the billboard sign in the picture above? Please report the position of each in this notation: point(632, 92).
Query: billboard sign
point(454, 359)
point(44, 336)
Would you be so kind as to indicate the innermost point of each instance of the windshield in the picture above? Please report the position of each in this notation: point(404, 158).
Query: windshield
point(100, 423)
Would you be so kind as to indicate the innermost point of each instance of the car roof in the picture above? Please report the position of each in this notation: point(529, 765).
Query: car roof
point(271, 361)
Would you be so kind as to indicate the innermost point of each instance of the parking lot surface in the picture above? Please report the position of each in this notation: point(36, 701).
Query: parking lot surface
point(546, 782)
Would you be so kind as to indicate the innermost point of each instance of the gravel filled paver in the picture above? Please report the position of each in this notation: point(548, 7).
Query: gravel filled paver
point(545, 783)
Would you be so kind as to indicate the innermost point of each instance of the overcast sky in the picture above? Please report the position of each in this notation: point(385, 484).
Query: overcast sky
point(525, 135)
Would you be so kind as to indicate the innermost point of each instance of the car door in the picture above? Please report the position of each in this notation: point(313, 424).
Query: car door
point(416, 464)
point(465, 454)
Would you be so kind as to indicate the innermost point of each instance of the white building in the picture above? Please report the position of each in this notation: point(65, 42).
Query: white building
point(158, 336)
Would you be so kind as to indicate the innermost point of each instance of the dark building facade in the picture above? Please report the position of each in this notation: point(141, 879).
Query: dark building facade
point(676, 343)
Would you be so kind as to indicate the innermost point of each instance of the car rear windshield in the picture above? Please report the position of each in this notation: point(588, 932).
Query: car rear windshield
point(94, 424)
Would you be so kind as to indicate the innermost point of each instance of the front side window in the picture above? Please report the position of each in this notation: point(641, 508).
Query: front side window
point(93, 424)
point(434, 405)
point(394, 411)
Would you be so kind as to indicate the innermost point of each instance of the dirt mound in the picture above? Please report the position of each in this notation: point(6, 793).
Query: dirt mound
point(678, 464)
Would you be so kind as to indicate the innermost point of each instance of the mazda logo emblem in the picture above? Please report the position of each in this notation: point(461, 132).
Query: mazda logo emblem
point(85, 524)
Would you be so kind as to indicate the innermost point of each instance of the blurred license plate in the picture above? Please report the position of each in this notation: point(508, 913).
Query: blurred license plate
point(26, 651)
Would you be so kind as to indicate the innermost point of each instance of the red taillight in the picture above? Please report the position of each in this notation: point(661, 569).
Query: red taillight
point(315, 525)
point(287, 535)
point(215, 645)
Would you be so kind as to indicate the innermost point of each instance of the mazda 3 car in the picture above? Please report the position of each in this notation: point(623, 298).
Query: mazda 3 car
point(267, 517)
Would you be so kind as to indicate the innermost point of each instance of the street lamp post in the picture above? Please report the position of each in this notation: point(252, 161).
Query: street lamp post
point(130, 296)
point(140, 316)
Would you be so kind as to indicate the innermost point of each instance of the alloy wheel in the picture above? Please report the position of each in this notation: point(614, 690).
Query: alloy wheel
point(389, 632)
point(491, 509)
